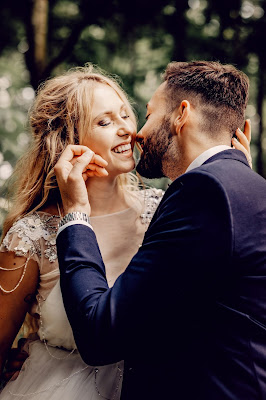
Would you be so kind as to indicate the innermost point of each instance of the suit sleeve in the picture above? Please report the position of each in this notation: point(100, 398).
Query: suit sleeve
point(183, 262)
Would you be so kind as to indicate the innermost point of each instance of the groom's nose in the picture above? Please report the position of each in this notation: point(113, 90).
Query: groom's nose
point(139, 136)
point(139, 140)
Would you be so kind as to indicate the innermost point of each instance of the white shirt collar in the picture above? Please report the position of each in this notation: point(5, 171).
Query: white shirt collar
point(206, 155)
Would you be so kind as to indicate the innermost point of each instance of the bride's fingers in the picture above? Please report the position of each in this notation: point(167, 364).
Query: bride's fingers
point(247, 130)
point(239, 146)
point(243, 139)
point(11, 376)
point(243, 145)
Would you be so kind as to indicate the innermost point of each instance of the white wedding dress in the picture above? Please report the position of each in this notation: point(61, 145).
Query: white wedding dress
point(54, 369)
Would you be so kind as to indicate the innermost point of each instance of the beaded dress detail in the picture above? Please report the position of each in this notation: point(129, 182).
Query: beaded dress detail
point(30, 230)
point(54, 369)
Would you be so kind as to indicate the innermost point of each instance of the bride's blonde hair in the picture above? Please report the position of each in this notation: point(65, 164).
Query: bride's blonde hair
point(60, 115)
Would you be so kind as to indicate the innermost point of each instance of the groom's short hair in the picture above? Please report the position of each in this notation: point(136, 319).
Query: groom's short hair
point(219, 91)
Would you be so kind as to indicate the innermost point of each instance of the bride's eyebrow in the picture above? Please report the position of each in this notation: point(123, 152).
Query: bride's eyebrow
point(102, 115)
point(107, 112)
point(123, 107)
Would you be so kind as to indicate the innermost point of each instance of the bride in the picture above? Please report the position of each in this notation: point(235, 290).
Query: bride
point(85, 107)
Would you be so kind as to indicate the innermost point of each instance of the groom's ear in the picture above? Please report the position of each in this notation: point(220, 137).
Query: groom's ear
point(181, 116)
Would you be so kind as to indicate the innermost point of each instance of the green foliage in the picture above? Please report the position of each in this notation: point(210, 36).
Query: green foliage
point(16, 96)
point(134, 40)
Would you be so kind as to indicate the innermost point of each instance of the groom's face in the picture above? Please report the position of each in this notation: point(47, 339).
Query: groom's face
point(155, 137)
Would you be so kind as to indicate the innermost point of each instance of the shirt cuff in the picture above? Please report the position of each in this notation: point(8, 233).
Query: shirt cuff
point(77, 222)
point(74, 218)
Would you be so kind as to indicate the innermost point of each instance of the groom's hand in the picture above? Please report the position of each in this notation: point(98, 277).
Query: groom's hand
point(76, 164)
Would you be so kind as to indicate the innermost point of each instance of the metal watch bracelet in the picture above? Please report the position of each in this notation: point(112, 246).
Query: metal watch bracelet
point(74, 216)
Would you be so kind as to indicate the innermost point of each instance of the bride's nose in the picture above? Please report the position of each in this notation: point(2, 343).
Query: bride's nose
point(125, 128)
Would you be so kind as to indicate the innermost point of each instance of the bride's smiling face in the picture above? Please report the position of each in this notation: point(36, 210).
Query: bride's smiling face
point(112, 131)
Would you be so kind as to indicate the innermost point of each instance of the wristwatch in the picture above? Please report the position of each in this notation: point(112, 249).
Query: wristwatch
point(74, 216)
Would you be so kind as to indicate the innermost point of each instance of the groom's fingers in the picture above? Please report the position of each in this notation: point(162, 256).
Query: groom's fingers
point(96, 170)
point(98, 160)
point(91, 174)
point(81, 164)
point(64, 165)
point(98, 165)
point(71, 151)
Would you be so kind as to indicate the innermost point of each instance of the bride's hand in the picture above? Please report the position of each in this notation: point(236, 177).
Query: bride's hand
point(243, 142)
point(72, 170)
point(16, 358)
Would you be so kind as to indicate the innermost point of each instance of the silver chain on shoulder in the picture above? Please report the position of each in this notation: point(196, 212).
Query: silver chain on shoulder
point(24, 266)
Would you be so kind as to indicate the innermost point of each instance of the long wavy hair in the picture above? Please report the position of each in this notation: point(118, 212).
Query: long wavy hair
point(60, 115)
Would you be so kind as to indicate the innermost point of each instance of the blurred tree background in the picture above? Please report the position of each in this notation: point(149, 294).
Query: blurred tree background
point(134, 40)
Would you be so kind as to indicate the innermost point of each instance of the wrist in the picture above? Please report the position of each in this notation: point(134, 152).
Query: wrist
point(68, 210)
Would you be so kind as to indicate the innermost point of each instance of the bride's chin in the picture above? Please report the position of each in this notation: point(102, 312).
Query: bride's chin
point(133, 165)
point(130, 164)
point(127, 169)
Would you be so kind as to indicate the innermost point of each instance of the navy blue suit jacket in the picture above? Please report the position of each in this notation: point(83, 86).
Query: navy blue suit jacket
point(188, 315)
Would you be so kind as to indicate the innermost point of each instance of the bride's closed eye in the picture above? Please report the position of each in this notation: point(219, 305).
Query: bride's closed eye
point(104, 122)
point(125, 116)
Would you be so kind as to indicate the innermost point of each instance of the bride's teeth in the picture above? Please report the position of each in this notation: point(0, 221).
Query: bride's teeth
point(122, 148)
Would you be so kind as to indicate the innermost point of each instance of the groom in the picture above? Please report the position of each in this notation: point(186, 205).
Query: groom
point(188, 315)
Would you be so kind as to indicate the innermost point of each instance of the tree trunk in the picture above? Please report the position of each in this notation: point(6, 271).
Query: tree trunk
point(260, 98)
point(37, 62)
point(39, 23)
point(177, 26)
point(36, 28)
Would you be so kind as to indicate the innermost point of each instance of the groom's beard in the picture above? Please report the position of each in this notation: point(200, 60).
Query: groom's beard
point(156, 145)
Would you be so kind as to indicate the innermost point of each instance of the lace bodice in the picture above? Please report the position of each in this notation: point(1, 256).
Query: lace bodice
point(33, 235)
point(119, 236)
